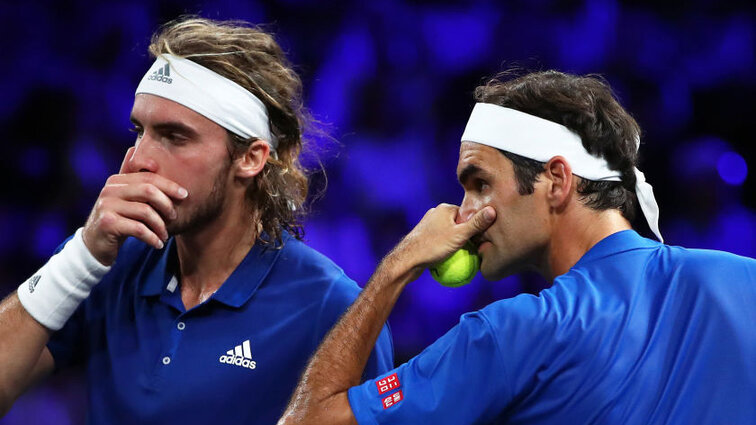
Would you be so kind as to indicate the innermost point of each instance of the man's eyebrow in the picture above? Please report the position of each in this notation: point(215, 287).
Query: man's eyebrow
point(175, 126)
point(466, 172)
point(168, 126)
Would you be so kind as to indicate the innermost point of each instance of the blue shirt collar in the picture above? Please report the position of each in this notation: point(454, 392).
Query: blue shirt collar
point(236, 290)
point(625, 240)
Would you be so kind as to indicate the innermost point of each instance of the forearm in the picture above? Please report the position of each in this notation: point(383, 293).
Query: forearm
point(341, 358)
point(22, 342)
point(321, 396)
point(41, 305)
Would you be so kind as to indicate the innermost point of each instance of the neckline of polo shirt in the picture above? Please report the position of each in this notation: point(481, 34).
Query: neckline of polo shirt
point(238, 287)
point(624, 240)
point(249, 274)
point(158, 276)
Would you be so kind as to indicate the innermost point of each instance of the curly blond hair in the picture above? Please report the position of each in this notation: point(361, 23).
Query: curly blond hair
point(250, 57)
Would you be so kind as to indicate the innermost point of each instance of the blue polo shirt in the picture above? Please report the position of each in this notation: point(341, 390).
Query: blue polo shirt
point(235, 358)
point(637, 332)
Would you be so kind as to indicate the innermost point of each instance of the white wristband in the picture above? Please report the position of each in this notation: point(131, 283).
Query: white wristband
point(52, 295)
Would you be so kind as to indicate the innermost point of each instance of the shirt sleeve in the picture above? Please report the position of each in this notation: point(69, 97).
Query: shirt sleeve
point(66, 345)
point(460, 379)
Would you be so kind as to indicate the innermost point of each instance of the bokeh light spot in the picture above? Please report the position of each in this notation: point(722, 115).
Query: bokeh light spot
point(49, 234)
point(732, 168)
point(89, 165)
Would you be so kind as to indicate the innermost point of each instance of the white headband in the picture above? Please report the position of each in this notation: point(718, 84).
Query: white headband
point(540, 139)
point(211, 95)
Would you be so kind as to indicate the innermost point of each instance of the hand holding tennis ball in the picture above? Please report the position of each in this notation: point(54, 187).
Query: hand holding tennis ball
point(434, 244)
point(459, 269)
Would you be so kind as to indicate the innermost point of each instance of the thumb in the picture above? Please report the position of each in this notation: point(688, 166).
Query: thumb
point(479, 222)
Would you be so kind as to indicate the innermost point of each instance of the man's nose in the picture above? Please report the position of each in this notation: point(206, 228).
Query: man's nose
point(143, 158)
point(466, 211)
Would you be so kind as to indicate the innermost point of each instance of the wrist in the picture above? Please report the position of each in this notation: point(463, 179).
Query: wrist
point(399, 268)
point(52, 294)
point(101, 255)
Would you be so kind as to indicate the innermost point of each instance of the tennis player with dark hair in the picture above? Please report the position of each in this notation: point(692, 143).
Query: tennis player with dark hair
point(188, 294)
point(631, 331)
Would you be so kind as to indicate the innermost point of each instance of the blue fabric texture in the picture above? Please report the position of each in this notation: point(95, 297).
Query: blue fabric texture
point(235, 358)
point(637, 332)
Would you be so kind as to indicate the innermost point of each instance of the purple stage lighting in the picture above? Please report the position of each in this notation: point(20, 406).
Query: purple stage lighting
point(732, 168)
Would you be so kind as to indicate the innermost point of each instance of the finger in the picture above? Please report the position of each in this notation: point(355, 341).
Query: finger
point(145, 193)
point(126, 159)
point(139, 230)
point(443, 212)
point(447, 209)
point(167, 186)
point(141, 212)
point(479, 222)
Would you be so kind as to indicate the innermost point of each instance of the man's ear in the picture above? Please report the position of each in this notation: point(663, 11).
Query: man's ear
point(252, 161)
point(559, 175)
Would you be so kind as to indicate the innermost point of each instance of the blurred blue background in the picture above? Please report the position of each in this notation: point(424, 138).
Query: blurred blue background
point(393, 82)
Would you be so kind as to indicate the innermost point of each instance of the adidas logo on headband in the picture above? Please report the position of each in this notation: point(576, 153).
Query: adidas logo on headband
point(163, 75)
point(209, 94)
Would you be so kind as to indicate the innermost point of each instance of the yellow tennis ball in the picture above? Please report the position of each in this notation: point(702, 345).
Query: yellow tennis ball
point(459, 269)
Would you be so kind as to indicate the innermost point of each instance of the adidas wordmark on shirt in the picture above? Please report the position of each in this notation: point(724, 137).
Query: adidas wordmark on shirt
point(241, 355)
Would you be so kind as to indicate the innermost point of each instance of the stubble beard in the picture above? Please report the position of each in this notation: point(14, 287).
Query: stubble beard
point(204, 213)
point(498, 264)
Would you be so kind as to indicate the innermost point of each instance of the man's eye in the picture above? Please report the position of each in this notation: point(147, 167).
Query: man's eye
point(175, 138)
point(136, 130)
point(481, 185)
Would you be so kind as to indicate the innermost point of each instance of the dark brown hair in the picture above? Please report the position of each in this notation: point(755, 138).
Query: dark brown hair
point(587, 106)
point(251, 58)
